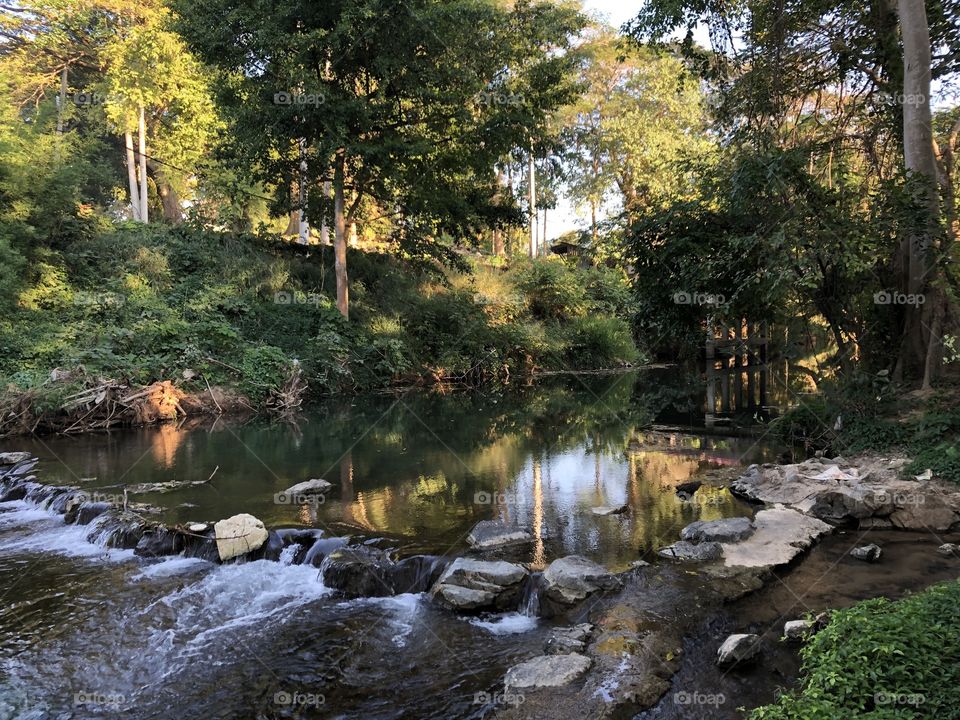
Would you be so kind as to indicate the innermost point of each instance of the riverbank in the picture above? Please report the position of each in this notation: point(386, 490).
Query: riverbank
point(252, 318)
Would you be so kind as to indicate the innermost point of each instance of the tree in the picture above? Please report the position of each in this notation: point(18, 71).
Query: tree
point(405, 103)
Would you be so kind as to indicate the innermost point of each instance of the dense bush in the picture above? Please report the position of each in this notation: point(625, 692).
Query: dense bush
point(150, 303)
point(881, 659)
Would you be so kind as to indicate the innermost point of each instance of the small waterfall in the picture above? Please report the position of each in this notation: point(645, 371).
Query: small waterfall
point(530, 596)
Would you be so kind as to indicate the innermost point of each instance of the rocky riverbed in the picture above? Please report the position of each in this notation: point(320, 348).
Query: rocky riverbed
point(614, 642)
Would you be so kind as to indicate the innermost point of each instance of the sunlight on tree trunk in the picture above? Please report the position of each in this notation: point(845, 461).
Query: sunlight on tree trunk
point(132, 176)
point(340, 237)
point(532, 182)
point(142, 130)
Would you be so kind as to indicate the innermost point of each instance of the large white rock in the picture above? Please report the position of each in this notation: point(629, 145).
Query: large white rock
point(547, 671)
point(469, 584)
point(781, 534)
point(308, 487)
point(239, 535)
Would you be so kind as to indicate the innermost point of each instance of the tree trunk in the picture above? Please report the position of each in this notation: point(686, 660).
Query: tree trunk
point(303, 228)
point(340, 237)
point(132, 176)
point(62, 99)
point(170, 201)
point(545, 231)
point(497, 200)
point(920, 163)
point(142, 131)
point(593, 222)
point(324, 225)
point(532, 183)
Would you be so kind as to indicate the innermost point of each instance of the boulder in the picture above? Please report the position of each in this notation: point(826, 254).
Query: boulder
point(491, 534)
point(571, 579)
point(358, 571)
point(718, 531)
point(685, 551)
point(610, 510)
point(738, 648)
point(239, 535)
point(469, 584)
point(82, 512)
point(547, 671)
point(781, 535)
point(867, 553)
point(930, 513)
point(12, 458)
point(568, 640)
point(949, 550)
point(797, 630)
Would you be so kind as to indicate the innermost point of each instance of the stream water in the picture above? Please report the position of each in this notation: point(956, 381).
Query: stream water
point(87, 631)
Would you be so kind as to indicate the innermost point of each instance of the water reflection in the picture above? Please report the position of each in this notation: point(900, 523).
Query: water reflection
point(424, 468)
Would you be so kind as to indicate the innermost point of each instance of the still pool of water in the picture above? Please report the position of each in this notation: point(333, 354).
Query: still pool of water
point(91, 632)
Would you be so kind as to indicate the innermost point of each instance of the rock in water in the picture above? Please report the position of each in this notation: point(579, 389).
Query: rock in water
point(12, 458)
point(610, 510)
point(867, 553)
point(563, 641)
point(490, 534)
point(572, 578)
point(689, 552)
point(781, 535)
point(949, 549)
point(729, 530)
point(547, 671)
point(469, 584)
point(797, 630)
point(738, 648)
point(239, 535)
point(306, 488)
point(686, 490)
point(358, 571)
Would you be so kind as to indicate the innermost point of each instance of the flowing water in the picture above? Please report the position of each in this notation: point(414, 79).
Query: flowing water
point(87, 631)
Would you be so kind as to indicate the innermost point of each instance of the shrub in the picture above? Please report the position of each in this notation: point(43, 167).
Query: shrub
point(598, 341)
point(878, 650)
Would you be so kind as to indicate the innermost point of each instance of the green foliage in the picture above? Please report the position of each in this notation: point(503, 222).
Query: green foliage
point(599, 341)
point(552, 290)
point(881, 660)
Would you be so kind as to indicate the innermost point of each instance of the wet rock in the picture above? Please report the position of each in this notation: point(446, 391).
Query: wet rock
point(469, 584)
point(949, 550)
point(728, 530)
point(637, 564)
point(738, 649)
point(160, 541)
point(781, 535)
point(491, 534)
point(358, 571)
point(201, 545)
point(117, 528)
point(270, 550)
point(239, 535)
point(797, 630)
point(685, 551)
point(867, 553)
point(416, 574)
point(198, 527)
point(568, 640)
point(12, 458)
point(571, 579)
point(547, 671)
point(80, 511)
point(610, 510)
point(307, 488)
point(875, 523)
